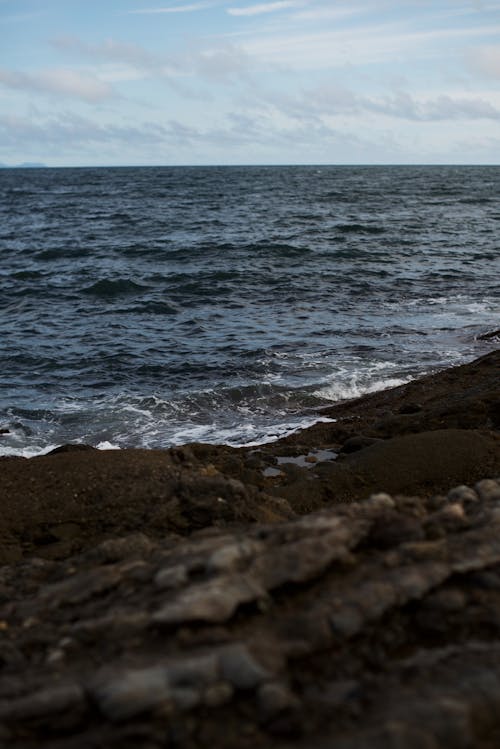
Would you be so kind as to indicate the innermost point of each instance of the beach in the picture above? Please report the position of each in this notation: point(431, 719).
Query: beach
point(339, 586)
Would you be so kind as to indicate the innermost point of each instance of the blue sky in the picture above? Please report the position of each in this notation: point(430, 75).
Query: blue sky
point(249, 81)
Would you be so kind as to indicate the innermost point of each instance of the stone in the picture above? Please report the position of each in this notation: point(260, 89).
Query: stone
point(213, 601)
point(240, 668)
point(171, 577)
point(274, 698)
point(488, 490)
point(463, 494)
point(193, 671)
point(381, 500)
point(126, 695)
point(354, 444)
point(52, 700)
point(218, 694)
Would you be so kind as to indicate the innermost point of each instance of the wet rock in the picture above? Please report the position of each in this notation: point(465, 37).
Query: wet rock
point(353, 444)
point(70, 448)
point(492, 335)
point(410, 408)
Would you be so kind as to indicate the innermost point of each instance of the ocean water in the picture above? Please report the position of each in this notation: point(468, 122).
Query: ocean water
point(157, 306)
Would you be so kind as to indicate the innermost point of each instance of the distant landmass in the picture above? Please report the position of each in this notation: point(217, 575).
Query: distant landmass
point(24, 165)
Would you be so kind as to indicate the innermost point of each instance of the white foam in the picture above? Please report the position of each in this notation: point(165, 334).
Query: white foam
point(32, 451)
point(354, 388)
point(106, 445)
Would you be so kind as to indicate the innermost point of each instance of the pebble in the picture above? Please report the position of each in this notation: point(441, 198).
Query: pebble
point(240, 668)
point(193, 672)
point(448, 600)
point(49, 701)
point(131, 693)
point(381, 500)
point(274, 698)
point(462, 494)
point(185, 698)
point(218, 694)
point(488, 490)
point(171, 577)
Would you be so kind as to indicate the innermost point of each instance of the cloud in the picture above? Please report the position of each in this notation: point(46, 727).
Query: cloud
point(109, 50)
point(339, 101)
point(172, 9)
point(485, 60)
point(256, 10)
point(61, 82)
point(21, 17)
point(221, 62)
point(370, 43)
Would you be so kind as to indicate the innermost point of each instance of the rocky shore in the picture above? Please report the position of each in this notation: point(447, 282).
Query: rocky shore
point(340, 587)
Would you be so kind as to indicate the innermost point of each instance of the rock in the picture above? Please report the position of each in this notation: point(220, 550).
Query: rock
point(381, 500)
point(171, 577)
point(492, 335)
point(353, 444)
point(123, 696)
point(488, 490)
point(70, 448)
point(393, 528)
point(274, 698)
point(218, 694)
point(369, 618)
point(463, 494)
point(240, 668)
point(213, 601)
point(44, 703)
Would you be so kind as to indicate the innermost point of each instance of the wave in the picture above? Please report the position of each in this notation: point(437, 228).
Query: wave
point(110, 288)
point(360, 228)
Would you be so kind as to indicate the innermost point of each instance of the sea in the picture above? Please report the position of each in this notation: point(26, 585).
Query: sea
point(149, 307)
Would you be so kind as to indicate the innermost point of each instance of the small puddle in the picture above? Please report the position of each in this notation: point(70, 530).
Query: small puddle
point(304, 461)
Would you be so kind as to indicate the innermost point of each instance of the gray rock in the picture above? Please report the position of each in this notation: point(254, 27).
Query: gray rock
point(125, 695)
point(52, 700)
point(463, 494)
point(218, 694)
point(171, 577)
point(194, 671)
point(274, 698)
point(240, 668)
point(212, 601)
point(488, 490)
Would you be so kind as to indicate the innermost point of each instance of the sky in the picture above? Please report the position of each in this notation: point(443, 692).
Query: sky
point(168, 82)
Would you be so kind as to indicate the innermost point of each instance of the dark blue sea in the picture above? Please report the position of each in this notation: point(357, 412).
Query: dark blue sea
point(157, 306)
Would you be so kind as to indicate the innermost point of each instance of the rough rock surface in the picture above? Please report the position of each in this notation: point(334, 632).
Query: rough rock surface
point(190, 597)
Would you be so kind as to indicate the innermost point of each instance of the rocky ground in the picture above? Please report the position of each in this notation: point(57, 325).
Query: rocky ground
point(340, 587)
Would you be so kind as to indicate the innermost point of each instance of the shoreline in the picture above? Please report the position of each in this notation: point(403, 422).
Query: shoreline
point(340, 586)
point(423, 436)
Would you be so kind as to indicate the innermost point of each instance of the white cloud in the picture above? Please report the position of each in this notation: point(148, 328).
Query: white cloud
point(172, 9)
point(485, 60)
point(257, 10)
point(369, 44)
point(61, 82)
